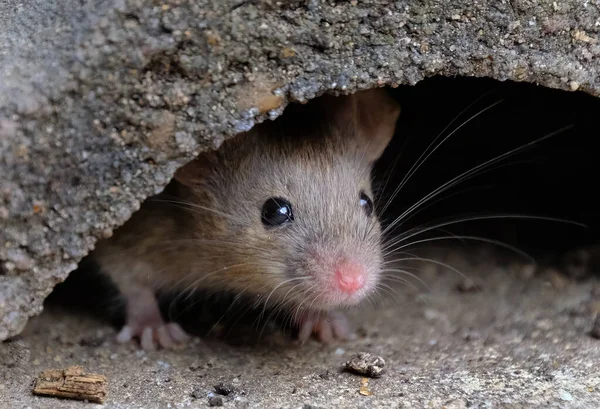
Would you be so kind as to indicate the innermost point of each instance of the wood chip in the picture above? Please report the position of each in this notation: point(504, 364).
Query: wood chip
point(71, 383)
point(364, 391)
point(364, 387)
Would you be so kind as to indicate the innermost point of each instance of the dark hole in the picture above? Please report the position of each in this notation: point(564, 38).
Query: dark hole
point(87, 291)
point(555, 177)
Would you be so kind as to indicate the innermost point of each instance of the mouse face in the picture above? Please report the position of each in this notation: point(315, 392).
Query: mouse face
point(307, 228)
point(292, 216)
point(320, 224)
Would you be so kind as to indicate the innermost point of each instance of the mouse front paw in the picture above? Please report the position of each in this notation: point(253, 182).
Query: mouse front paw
point(166, 336)
point(326, 326)
point(145, 323)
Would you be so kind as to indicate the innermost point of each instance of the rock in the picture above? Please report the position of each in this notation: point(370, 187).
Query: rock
point(99, 105)
point(224, 389)
point(215, 401)
point(366, 364)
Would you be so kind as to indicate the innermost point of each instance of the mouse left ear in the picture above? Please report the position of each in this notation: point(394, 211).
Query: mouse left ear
point(193, 173)
point(375, 114)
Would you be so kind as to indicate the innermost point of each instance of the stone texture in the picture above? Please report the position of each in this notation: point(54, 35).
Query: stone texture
point(517, 344)
point(101, 100)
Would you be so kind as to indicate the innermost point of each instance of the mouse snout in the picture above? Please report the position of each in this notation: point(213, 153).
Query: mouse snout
point(350, 276)
point(338, 278)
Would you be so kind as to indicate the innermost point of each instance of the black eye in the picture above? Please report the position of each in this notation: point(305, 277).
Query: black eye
point(276, 211)
point(366, 203)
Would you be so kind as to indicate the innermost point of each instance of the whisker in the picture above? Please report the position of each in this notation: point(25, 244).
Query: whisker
point(382, 287)
point(282, 305)
point(397, 270)
point(421, 160)
point(401, 280)
point(275, 289)
point(470, 173)
point(411, 233)
point(440, 263)
point(480, 239)
point(190, 205)
point(468, 189)
point(425, 155)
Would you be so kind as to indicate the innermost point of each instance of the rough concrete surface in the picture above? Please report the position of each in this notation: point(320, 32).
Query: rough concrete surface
point(101, 100)
point(513, 339)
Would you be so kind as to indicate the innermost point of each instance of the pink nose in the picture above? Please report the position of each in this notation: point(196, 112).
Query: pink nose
point(350, 277)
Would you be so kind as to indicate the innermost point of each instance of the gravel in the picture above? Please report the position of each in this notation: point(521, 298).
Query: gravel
point(101, 101)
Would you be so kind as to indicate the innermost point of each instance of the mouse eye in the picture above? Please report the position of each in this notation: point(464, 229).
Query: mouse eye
point(366, 203)
point(276, 211)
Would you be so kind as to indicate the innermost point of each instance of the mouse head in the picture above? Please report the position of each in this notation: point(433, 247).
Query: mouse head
point(291, 211)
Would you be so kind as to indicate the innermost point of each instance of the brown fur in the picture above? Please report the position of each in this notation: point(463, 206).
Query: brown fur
point(318, 157)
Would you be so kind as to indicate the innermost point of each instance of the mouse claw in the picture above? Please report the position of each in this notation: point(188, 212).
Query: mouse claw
point(324, 331)
point(163, 338)
point(341, 328)
point(177, 333)
point(307, 326)
point(327, 326)
point(125, 335)
point(167, 336)
point(147, 340)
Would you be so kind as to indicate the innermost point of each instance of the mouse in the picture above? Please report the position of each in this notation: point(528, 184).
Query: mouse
point(283, 213)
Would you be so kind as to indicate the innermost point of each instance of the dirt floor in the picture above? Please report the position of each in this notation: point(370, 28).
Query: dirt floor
point(515, 339)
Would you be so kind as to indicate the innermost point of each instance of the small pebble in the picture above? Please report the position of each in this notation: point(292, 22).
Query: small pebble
point(241, 402)
point(197, 393)
point(362, 332)
point(224, 389)
point(366, 364)
point(340, 351)
point(163, 364)
point(215, 401)
point(564, 395)
point(325, 375)
point(456, 404)
point(92, 341)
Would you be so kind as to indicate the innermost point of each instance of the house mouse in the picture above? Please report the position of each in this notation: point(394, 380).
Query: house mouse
point(282, 213)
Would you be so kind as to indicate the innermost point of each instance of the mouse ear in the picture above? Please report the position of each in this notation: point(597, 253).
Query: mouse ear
point(193, 173)
point(374, 115)
point(369, 116)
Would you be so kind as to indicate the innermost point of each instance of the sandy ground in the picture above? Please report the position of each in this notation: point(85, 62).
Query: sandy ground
point(519, 340)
